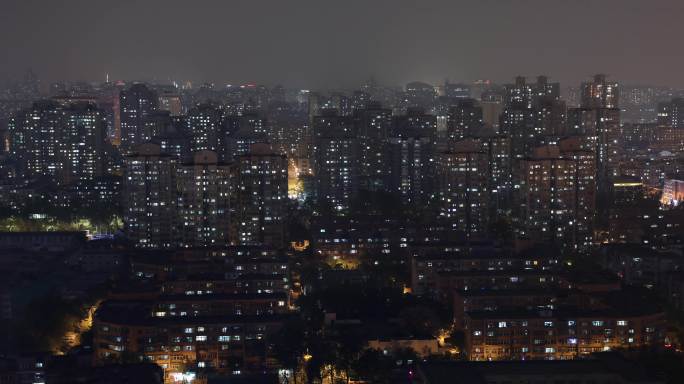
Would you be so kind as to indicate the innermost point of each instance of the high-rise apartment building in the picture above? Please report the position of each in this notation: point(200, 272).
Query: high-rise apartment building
point(410, 168)
point(464, 120)
point(601, 97)
point(260, 197)
point(336, 158)
point(136, 104)
point(600, 93)
point(149, 197)
point(203, 201)
point(463, 188)
point(374, 128)
point(547, 197)
point(532, 113)
point(34, 139)
point(66, 143)
point(579, 150)
point(203, 124)
point(671, 113)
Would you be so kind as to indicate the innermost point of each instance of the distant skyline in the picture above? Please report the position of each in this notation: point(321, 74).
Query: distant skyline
point(332, 44)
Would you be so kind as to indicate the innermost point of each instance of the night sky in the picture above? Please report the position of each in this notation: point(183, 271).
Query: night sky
point(324, 43)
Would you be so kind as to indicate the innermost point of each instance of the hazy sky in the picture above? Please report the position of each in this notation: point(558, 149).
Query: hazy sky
point(321, 43)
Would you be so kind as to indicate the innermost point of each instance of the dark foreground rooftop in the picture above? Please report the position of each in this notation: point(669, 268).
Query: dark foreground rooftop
point(601, 368)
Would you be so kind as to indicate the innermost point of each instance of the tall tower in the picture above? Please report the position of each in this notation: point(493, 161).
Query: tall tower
point(600, 93)
point(336, 158)
point(83, 146)
point(374, 128)
point(547, 197)
point(65, 143)
point(136, 104)
point(149, 197)
point(579, 150)
point(464, 120)
point(203, 124)
point(463, 188)
point(671, 113)
point(35, 139)
point(532, 113)
point(203, 201)
point(601, 97)
point(260, 197)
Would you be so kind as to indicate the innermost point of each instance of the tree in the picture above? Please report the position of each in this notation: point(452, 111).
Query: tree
point(288, 344)
point(373, 366)
point(419, 321)
point(45, 322)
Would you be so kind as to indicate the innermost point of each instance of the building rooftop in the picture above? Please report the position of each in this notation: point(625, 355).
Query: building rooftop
point(139, 313)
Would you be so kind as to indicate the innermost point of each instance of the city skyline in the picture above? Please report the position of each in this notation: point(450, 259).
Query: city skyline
point(328, 45)
point(318, 192)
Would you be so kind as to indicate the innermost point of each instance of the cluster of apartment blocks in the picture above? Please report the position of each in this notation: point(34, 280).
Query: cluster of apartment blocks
point(197, 311)
point(530, 305)
point(204, 202)
point(541, 162)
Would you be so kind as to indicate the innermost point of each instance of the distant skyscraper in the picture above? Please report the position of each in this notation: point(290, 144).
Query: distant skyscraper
point(158, 124)
point(410, 168)
point(498, 148)
point(260, 197)
point(555, 190)
point(415, 123)
point(457, 91)
point(602, 96)
point(579, 150)
point(203, 124)
point(492, 106)
point(420, 95)
point(547, 196)
point(550, 117)
point(637, 136)
point(517, 119)
point(463, 188)
point(464, 120)
point(34, 137)
point(170, 100)
point(609, 138)
point(411, 155)
point(149, 197)
point(532, 113)
point(519, 95)
point(671, 113)
point(518, 124)
point(66, 143)
point(374, 127)
point(84, 142)
point(545, 90)
point(581, 121)
point(360, 100)
point(600, 93)
point(241, 132)
point(136, 104)
point(203, 201)
point(336, 158)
